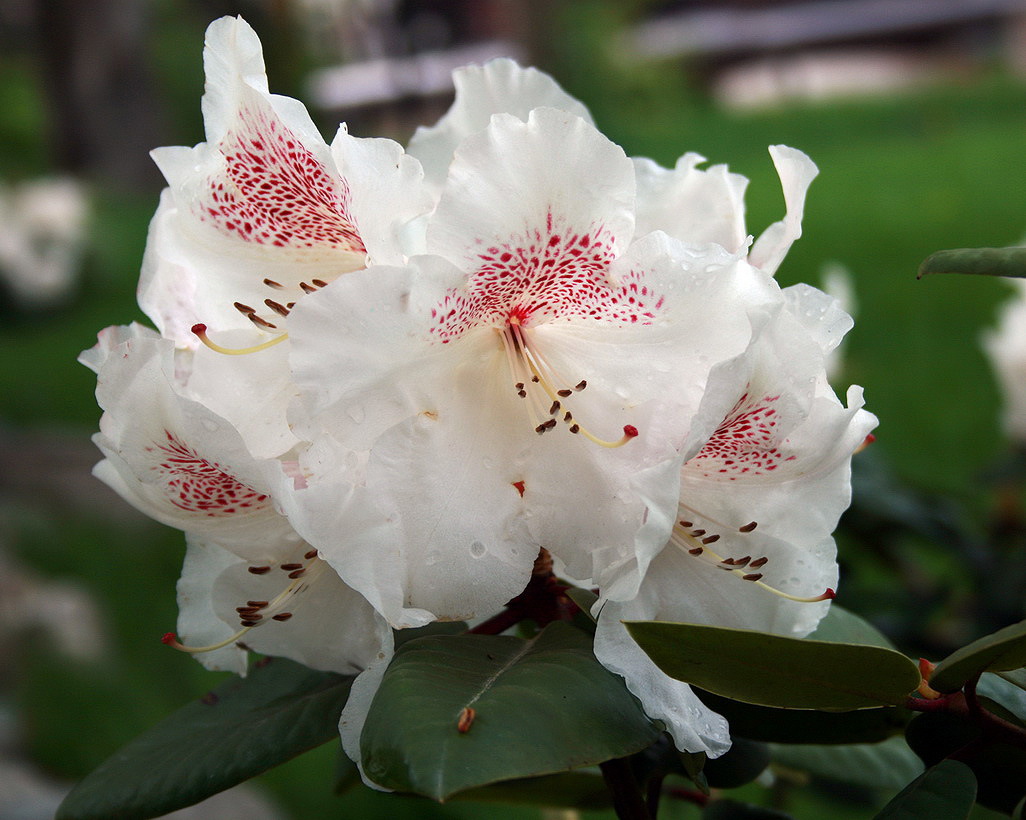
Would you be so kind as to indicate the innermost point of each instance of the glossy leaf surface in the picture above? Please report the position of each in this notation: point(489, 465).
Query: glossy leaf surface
point(770, 670)
point(538, 706)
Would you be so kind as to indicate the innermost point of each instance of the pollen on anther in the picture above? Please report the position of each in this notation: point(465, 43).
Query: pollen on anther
point(710, 539)
point(545, 426)
point(555, 408)
point(748, 527)
point(257, 604)
point(759, 562)
point(564, 393)
point(752, 576)
point(696, 551)
point(272, 284)
point(290, 567)
point(244, 308)
point(297, 573)
point(581, 385)
point(281, 616)
point(575, 428)
point(310, 554)
point(259, 570)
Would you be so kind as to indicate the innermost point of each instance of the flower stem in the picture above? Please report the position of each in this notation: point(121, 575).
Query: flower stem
point(627, 799)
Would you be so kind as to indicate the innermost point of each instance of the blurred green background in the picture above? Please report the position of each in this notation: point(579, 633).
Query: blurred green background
point(903, 173)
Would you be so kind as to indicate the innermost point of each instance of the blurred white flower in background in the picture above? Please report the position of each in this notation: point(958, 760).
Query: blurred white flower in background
point(1005, 346)
point(42, 237)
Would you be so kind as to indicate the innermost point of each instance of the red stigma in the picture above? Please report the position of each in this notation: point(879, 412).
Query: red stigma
point(199, 329)
point(870, 438)
point(630, 430)
point(829, 595)
point(520, 487)
point(168, 638)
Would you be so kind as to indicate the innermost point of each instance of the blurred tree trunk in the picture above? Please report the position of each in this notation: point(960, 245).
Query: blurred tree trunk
point(104, 113)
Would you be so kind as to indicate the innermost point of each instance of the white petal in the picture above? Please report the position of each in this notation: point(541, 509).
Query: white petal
point(517, 186)
point(796, 173)
point(173, 458)
point(260, 200)
point(387, 192)
point(198, 625)
point(691, 204)
point(691, 724)
point(361, 695)
point(499, 87)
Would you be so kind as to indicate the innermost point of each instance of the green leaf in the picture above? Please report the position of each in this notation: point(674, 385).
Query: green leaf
point(241, 728)
point(998, 766)
point(744, 761)
point(569, 790)
point(806, 726)
point(977, 261)
point(1005, 693)
point(540, 706)
point(734, 810)
point(841, 626)
point(997, 652)
point(1019, 810)
point(770, 670)
point(945, 792)
point(888, 765)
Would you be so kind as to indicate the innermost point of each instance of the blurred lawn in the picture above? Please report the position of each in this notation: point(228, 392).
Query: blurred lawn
point(899, 179)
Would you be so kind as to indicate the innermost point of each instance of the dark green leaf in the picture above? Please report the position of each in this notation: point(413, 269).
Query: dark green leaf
point(1016, 677)
point(540, 706)
point(806, 726)
point(1008, 695)
point(978, 261)
point(998, 766)
point(584, 598)
point(841, 626)
point(888, 765)
point(1019, 810)
point(238, 730)
point(945, 792)
point(770, 670)
point(744, 761)
point(1001, 650)
point(570, 790)
point(733, 810)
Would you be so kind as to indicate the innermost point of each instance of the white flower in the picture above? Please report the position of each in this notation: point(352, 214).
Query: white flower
point(42, 237)
point(1006, 348)
point(752, 545)
point(264, 211)
point(464, 375)
point(247, 575)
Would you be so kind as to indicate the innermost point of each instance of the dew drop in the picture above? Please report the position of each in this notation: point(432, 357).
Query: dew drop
point(477, 550)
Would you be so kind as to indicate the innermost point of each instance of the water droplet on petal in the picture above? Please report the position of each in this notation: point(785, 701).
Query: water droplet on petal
point(477, 550)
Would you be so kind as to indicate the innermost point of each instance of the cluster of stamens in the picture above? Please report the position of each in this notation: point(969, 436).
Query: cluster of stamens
point(282, 310)
point(258, 612)
point(696, 542)
point(531, 369)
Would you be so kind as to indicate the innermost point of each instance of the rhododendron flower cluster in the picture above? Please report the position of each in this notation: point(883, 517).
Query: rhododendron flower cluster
point(383, 381)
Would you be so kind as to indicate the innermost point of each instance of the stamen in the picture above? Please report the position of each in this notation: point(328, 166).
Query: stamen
point(259, 322)
point(687, 541)
point(244, 308)
point(307, 288)
point(310, 554)
point(748, 527)
point(201, 331)
point(272, 284)
point(278, 308)
point(290, 567)
point(320, 283)
point(249, 616)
